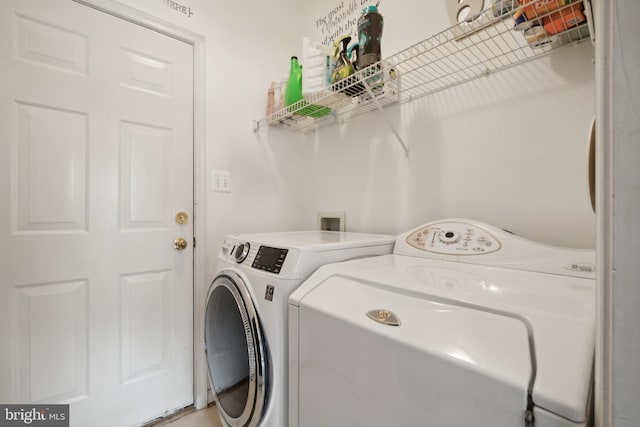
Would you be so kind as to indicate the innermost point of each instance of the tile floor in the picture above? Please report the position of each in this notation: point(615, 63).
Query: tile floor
point(207, 417)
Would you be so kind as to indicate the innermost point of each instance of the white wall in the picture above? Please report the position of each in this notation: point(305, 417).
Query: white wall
point(509, 149)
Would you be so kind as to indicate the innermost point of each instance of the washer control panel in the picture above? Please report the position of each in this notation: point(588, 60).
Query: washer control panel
point(270, 259)
point(454, 238)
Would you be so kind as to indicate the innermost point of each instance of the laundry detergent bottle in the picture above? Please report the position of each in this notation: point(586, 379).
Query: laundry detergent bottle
point(369, 37)
point(293, 94)
point(293, 90)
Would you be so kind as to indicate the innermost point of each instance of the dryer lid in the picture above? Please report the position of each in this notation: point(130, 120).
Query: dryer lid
point(559, 309)
point(455, 364)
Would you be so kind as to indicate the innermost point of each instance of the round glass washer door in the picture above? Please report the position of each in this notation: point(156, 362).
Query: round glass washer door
point(236, 352)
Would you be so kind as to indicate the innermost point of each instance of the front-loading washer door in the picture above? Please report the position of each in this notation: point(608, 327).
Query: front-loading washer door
point(236, 351)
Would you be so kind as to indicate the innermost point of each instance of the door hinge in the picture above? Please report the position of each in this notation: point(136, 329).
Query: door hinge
point(194, 242)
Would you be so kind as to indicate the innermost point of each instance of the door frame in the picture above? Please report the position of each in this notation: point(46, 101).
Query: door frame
point(200, 279)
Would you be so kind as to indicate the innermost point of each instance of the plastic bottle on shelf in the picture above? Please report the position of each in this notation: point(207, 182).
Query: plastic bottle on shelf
point(317, 66)
point(276, 96)
point(293, 91)
point(293, 94)
point(369, 36)
point(271, 100)
point(282, 88)
point(343, 66)
point(370, 26)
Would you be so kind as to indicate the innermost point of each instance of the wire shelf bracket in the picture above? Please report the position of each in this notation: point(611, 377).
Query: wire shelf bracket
point(399, 138)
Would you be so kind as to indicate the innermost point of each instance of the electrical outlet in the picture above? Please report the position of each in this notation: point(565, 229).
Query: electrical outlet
point(331, 221)
point(221, 181)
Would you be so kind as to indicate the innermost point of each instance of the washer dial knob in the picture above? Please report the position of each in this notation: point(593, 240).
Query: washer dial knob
point(242, 251)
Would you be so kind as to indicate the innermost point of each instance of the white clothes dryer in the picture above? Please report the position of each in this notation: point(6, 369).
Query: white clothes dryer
point(463, 325)
point(246, 315)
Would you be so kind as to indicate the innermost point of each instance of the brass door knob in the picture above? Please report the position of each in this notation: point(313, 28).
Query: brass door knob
point(180, 244)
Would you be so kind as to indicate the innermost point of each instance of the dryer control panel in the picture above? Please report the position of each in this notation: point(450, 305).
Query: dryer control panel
point(454, 238)
point(473, 242)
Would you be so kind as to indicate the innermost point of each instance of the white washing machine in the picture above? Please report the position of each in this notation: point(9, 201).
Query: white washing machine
point(246, 315)
point(463, 325)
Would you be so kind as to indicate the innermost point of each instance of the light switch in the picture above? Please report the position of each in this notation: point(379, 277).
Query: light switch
point(220, 181)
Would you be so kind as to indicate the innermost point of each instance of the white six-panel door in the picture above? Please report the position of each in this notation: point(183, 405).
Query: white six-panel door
point(96, 143)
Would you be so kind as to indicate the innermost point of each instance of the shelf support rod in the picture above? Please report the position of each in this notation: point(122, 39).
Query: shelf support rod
point(384, 116)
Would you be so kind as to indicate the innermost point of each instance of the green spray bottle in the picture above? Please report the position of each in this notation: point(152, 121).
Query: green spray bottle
point(293, 90)
point(293, 94)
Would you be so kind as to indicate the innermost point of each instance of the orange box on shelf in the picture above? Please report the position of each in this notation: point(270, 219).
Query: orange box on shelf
point(564, 19)
point(537, 8)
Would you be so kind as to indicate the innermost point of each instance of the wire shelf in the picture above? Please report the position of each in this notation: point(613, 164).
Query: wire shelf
point(487, 43)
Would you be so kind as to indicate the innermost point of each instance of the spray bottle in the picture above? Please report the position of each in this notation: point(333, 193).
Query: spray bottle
point(343, 67)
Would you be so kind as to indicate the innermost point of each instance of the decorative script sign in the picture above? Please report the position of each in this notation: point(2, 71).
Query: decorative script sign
point(340, 20)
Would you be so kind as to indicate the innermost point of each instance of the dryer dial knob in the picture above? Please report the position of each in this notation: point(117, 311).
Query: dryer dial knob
point(242, 251)
point(449, 237)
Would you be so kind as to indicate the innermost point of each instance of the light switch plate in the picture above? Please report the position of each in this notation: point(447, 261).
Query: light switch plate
point(220, 181)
